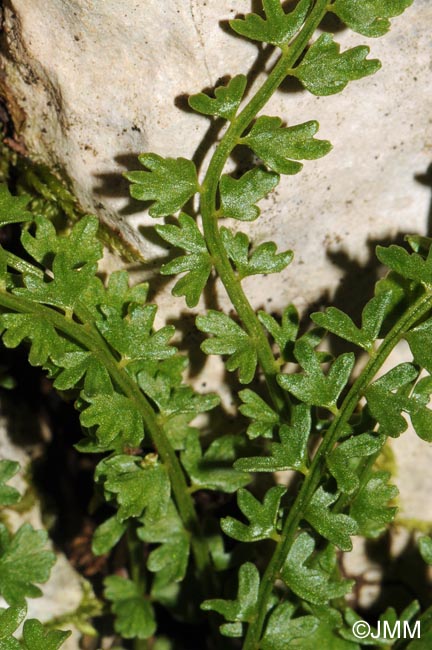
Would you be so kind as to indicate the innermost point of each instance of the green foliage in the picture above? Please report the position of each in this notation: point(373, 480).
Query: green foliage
point(238, 196)
point(325, 71)
point(315, 387)
point(135, 484)
point(263, 258)
point(169, 183)
point(314, 585)
point(241, 609)
point(134, 612)
point(280, 147)
point(196, 263)
point(24, 560)
point(263, 517)
point(226, 102)
point(8, 495)
point(425, 548)
point(370, 17)
point(165, 480)
point(228, 338)
point(278, 27)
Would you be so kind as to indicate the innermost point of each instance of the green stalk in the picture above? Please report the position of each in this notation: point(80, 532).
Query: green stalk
point(209, 214)
point(90, 339)
point(413, 314)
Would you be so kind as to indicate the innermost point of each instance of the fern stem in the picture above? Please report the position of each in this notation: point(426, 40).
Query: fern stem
point(413, 314)
point(209, 197)
point(91, 340)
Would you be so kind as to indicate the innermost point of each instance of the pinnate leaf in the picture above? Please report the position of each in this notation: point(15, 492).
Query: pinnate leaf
point(238, 196)
point(369, 17)
point(213, 470)
point(336, 321)
point(311, 584)
point(196, 264)
point(229, 338)
point(409, 265)
point(8, 495)
point(117, 421)
point(339, 460)
point(282, 628)
point(169, 183)
point(24, 560)
point(243, 608)
point(170, 559)
point(263, 516)
point(337, 528)
point(226, 101)
point(264, 419)
point(263, 259)
point(134, 612)
point(280, 147)
point(277, 28)
point(370, 507)
point(43, 338)
point(10, 619)
point(285, 332)
point(37, 637)
point(314, 387)
point(325, 71)
point(290, 452)
point(136, 484)
point(107, 535)
point(13, 208)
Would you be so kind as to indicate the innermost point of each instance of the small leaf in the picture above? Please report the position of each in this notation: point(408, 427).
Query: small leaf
point(311, 584)
point(341, 324)
point(229, 338)
point(213, 470)
point(117, 420)
point(419, 339)
point(314, 387)
point(337, 528)
point(279, 147)
point(24, 560)
point(290, 452)
point(44, 339)
point(13, 208)
point(134, 615)
point(243, 608)
point(238, 196)
point(387, 406)
point(107, 535)
point(136, 484)
point(285, 332)
point(339, 459)
point(171, 558)
point(370, 17)
point(282, 629)
point(425, 548)
point(370, 507)
point(325, 71)
point(196, 264)
point(226, 102)
point(264, 419)
point(170, 183)
point(37, 637)
point(263, 259)
point(409, 265)
point(262, 516)
point(78, 364)
point(278, 27)
point(8, 495)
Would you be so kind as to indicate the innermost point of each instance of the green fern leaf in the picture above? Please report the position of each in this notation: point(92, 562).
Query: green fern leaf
point(226, 102)
point(339, 460)
point(37, 637)
point(370, 508)
point(13, 208)
point(264, 419)
point(169, 183)
point(238, 196)
point(283, 629)
point(280, 147)
point(370, 17)
point(337, 528)
point(107, 535)
point(325, 71)
point(118, 423)
point(8, 495)
point(262, 260)
point(285, 332)
point(134, 614)
point(409, 265)
point(263, 517)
